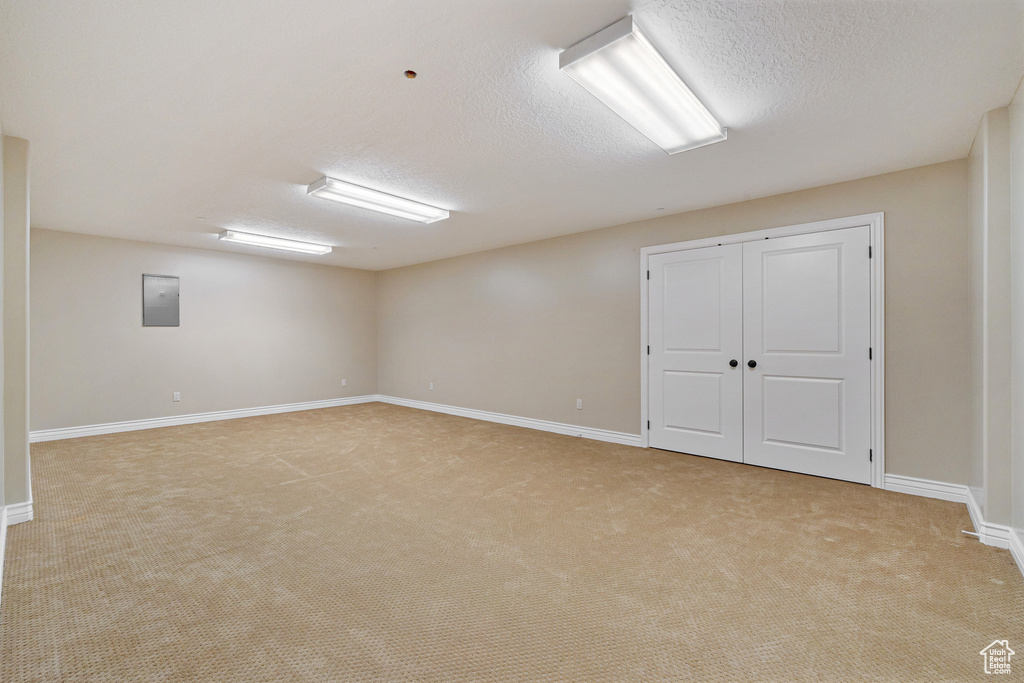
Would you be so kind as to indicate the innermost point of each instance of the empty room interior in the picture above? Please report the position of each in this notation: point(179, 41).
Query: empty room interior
point(580, 340)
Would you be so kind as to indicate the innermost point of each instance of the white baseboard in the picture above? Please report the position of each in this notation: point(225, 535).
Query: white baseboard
point(3, 547)
point(9, 515)
point(998, 535)
point(990, 534)
point(956, 493)
point(156, 422)
point(18, 513)
point(1017, 548)
point(528, 422)
point(501, 418)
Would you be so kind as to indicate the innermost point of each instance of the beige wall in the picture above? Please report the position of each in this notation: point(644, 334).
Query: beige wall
point(525, 330)
point(254, 332)
point(990, 321)
point(17, 473)
point(1016, 125)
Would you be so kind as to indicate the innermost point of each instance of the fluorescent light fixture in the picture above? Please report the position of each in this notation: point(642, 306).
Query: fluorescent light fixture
point(273, 242)
point(620, 67)
point(365, 198)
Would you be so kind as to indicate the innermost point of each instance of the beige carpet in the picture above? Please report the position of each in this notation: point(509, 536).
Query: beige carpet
point(374, 542)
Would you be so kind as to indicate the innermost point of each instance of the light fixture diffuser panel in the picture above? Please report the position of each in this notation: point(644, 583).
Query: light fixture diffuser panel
point(622, 69)
point(254, 240)
point(374, 200)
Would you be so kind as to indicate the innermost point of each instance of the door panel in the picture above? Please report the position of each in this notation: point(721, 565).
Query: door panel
point(806, 322)
point(695, 329)
point(818, 402)
point(693, 323)
point(693, 401)
point(800, 291)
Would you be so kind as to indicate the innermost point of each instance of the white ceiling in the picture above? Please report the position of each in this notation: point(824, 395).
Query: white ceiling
point(144, 116)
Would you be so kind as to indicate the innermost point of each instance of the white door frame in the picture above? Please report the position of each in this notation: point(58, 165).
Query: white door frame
point(876, 224)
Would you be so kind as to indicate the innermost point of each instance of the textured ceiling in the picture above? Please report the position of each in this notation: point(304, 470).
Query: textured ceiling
point(145, 116)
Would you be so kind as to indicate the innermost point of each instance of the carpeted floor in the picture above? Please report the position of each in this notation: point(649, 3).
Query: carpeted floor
point(374, 542)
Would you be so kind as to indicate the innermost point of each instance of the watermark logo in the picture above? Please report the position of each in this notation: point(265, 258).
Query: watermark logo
point(997, 657)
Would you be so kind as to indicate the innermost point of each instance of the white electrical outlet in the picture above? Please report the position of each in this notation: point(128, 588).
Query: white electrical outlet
point(579, 404)
point(431, 386)
point(177, 396)
point(344, 382)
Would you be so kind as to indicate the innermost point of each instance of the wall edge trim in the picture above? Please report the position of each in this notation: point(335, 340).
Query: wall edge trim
point(19, 512)
point(1017, 548)
point(194, 418)
point(928, 488)
point(514, 420)
point(996, 535)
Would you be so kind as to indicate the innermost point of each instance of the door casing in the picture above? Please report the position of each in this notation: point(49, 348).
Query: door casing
point(876, 224)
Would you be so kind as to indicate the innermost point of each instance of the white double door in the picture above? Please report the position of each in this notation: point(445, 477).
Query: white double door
point(759, 353)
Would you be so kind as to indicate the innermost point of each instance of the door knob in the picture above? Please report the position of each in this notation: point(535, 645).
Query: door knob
point(751, 363)
point(733, 363)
